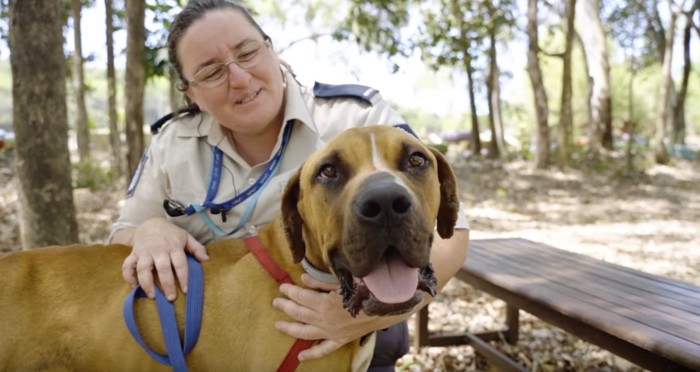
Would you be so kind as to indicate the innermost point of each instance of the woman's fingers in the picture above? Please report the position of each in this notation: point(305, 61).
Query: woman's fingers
point(144, 269)
point(129, 270)
point(295, 311)
point(320, 350)
point(139, 271)
point(311, 282)
point(196, 248)
point(179, 264)
point(309, 332)
point(166, 277)
point(300, 330)
point(160, 246)
point(303, 296)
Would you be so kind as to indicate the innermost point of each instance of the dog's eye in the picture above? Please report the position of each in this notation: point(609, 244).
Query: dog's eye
point(327, 171)
point(417, 159)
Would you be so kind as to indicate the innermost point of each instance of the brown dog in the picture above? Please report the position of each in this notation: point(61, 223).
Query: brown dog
point(364, 207)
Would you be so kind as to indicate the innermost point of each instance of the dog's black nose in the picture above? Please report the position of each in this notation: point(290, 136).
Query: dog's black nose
point(383, 202)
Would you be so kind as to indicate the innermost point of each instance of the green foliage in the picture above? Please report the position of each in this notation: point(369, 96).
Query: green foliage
point(526, 139)
point(442, 147)
point(455, 31)
point(314, 14)
point(4, 20)
point(89, 174)
point(160, 13)
point(635, 25)
point(450, 32)
point(644, 102)
point(377, 25)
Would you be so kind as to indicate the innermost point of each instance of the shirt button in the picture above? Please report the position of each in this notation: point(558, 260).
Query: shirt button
point(252, 230)
point(251, 181)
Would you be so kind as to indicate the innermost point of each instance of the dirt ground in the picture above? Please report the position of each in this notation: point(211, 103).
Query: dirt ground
point(649, 222)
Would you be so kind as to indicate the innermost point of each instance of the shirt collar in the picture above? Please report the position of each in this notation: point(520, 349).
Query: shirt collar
point(295, 107)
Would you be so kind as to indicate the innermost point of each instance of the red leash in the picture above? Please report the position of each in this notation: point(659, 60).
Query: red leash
point(291, 360)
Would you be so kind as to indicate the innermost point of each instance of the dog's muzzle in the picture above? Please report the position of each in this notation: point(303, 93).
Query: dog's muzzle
point(389, 244)
point(357, 294)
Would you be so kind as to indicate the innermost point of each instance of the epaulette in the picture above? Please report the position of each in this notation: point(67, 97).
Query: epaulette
point(345, 90)
point(406, 128)
point(158, 124)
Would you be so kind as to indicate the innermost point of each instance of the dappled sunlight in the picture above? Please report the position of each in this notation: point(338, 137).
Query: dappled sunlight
point(649, 222)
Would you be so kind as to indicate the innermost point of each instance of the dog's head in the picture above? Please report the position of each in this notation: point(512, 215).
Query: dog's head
point(365, 206)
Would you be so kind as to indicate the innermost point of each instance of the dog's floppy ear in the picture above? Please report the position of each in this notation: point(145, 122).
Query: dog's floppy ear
point(291, 218)
point(449, 201)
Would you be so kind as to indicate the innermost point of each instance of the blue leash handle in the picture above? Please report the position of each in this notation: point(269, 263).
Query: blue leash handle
point(166, 312)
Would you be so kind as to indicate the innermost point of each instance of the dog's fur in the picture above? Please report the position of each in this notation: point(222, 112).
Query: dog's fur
point(60, 307)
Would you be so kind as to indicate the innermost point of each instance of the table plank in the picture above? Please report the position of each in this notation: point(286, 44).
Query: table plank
point(607, 304)
point(601, 288)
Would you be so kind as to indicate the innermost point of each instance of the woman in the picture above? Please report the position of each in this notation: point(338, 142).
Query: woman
point(219, 170)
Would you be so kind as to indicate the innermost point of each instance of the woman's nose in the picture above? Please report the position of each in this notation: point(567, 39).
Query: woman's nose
point(237, 76)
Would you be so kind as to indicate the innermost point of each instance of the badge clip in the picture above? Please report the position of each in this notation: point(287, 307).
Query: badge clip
point(173, 208)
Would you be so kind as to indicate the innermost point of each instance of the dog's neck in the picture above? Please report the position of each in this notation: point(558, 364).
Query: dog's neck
point(318, 274)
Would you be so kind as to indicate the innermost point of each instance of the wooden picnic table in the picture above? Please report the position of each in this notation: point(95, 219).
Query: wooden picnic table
point(647, 319)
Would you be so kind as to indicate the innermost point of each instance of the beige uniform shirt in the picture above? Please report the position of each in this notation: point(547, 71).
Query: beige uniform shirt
point(177, 163)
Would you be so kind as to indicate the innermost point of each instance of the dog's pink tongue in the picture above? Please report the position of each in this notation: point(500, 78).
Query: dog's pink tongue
point(392, 281)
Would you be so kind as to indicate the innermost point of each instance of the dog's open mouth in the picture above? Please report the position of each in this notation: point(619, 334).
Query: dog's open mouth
point(391, 288)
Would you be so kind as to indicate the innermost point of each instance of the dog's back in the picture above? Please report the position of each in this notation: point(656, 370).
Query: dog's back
point(61, 309)
point(57, 303)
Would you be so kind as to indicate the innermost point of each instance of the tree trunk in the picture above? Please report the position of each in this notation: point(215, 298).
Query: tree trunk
point(678, 133)
point(596, 51)
point(475, 138)
point(135, 81)
point(591, 129)
point(660, 36)
point(496, 147)
point(81, 123)
point(40, 122)
point(540, 95)
point(564, 129)
point(115, 142)
point(660, 151)
point(630, 124)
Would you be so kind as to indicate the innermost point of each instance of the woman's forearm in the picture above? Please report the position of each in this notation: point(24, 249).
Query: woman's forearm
point(448, 255)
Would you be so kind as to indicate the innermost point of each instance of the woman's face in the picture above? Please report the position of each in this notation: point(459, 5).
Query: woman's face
point(250, 100)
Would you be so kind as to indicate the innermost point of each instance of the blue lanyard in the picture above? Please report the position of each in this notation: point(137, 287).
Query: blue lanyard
point(253, 190)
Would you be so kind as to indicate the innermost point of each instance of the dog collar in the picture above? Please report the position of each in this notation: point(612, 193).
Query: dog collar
point(318, 274)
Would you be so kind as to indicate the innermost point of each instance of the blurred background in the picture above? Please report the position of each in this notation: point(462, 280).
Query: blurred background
point(574, 123)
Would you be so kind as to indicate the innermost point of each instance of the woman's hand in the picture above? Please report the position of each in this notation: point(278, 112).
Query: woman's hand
point(319, 314)
point(159, 243)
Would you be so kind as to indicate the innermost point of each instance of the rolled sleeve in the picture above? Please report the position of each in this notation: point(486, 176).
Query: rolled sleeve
point(145, 199)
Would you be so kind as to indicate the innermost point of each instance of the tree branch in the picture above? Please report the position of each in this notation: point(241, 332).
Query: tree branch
point(555, 55)
point(312, 37)
point(690, 12)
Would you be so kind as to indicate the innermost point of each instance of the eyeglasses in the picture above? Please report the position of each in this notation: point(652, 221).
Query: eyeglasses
point(248, 57)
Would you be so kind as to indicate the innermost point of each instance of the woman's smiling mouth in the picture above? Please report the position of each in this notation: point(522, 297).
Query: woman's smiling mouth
point(249, 97)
